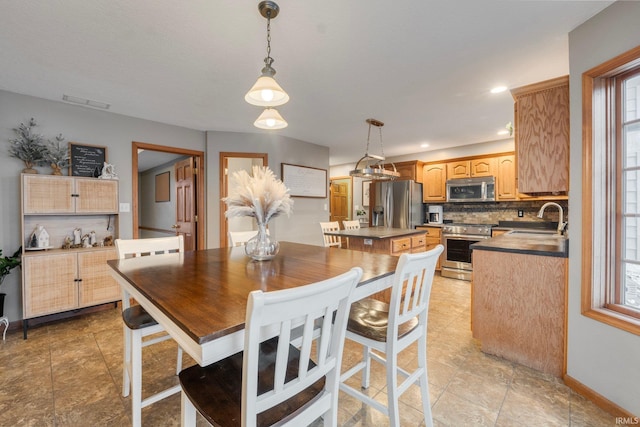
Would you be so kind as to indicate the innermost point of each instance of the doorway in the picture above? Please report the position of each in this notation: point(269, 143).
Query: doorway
point(229, 163)
point(196, 239)
point(340, 201)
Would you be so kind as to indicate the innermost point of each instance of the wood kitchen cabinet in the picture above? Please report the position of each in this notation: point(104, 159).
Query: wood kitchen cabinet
point(408, 170)
point(54, 279)
point(506, 178)
point(433, 238)
point(471, 168)
point(434, 182)
point(542, 136)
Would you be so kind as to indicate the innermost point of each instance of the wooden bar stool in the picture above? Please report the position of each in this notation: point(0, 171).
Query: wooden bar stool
point(390, 328)
point(138, 324)
point(272, 381)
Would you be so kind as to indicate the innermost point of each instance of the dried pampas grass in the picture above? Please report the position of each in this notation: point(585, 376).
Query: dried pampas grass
point(262, 196)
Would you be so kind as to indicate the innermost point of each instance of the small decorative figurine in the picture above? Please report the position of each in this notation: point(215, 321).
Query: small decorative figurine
point(108, 241)
point(92, 238)
point(77, 236)
point(85, 241)
point(67, 243)
point(108, 172)
point(39, 238)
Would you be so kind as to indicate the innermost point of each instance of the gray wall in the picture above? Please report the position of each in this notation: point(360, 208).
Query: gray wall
point(77, 124)
point(152, 214)
point(116, 132)
point(302, 226)
point(601, 357)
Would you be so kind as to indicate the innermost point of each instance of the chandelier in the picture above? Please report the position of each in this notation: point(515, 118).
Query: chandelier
point(371, 166)
point(266, 92)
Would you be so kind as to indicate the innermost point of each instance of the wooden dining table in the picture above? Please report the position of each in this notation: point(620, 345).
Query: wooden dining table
point(200, 297)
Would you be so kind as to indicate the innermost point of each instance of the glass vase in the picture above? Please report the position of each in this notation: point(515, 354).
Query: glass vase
point(262, 247)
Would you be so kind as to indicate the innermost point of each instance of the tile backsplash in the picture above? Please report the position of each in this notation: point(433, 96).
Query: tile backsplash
point(492, 213)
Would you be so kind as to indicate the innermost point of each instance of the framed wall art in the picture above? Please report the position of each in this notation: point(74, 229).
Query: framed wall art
point(305, 181)
point(163, 193)
point(86, 160)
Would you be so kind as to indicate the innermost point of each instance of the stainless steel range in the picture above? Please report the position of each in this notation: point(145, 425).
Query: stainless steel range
point(456, 239)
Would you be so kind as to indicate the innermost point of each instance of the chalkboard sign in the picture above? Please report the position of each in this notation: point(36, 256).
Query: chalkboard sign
point(86, 160)
point(303, 181)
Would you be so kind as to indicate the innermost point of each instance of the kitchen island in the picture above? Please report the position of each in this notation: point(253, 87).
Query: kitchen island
point(518, 303)
point(383, 240)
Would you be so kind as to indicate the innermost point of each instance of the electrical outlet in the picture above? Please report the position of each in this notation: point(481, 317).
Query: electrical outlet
point(520, 213)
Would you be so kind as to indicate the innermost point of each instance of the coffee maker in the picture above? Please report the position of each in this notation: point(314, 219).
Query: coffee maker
point(434, 214)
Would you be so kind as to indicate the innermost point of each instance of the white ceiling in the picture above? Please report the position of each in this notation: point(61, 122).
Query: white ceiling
point(423, 67)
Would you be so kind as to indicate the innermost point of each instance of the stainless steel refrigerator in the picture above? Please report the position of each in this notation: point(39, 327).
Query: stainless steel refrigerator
point(400, 202)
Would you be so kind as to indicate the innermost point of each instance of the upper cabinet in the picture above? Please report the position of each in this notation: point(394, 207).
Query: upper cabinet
point(471, 168)
point(506, 178)
point(69, 195)
point(434, 180)
point(542, 136)
point(408, 170)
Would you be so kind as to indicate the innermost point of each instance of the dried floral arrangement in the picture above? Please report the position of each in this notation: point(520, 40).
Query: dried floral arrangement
point(260, 195)
point(28, 146)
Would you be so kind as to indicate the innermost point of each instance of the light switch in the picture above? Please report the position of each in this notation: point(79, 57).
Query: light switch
point(124, 207)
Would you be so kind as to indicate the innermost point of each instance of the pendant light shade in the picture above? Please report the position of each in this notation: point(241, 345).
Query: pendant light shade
point(266, 92)
point(270, 119)
point(371, 166)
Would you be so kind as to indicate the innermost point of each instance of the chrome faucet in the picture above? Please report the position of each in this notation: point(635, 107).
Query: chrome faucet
point(561, 224)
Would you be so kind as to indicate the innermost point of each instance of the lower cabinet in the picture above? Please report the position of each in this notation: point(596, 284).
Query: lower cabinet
point(433, 238)
point(68, 280)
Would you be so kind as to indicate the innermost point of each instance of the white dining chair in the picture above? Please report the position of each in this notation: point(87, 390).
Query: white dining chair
point(387, 329)
point(330, 241)
point(240, 238)
point(138, 324)
point(272, 380)
point(350, 225)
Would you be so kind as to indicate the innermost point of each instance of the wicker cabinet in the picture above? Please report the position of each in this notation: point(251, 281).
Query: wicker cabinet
point(542, 136)
point(56, 280)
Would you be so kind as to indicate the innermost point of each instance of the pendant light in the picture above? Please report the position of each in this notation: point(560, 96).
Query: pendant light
point(371, 166)
point(270, 119)
point(266, 92)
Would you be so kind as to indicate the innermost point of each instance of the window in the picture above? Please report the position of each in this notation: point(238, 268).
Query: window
point(611, 189)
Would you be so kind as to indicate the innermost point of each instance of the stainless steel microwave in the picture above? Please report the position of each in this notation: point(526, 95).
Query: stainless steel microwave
point(482, 189)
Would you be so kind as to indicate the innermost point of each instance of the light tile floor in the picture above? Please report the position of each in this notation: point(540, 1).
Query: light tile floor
point(68, 373)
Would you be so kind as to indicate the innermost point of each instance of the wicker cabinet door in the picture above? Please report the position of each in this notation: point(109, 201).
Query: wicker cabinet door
point(96, 284)
point(96, 196)
point(47, 194)
point(49, 285)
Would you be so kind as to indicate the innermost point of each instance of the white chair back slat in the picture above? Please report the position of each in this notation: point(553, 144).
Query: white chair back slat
point(351, 225)
point(330, 241)
point(290, 309)
point(240, 238)
point(128, 248)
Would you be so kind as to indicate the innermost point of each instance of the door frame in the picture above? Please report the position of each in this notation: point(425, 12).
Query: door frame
point(199, 181)
point(224, 187)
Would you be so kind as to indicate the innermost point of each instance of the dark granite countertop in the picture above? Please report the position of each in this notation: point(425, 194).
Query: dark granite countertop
point(376, 232)
point(543, 244)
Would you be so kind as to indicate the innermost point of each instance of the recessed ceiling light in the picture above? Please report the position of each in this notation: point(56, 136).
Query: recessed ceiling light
point(498, 89)
point(503, 132)
point(424, 145)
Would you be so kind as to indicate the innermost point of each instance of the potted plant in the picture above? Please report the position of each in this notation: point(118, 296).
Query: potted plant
point(28, 146)
point(8, 263)
point(56, 155)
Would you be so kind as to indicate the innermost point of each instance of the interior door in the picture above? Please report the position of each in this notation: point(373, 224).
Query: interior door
point(185, 203)
point(339, 202)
